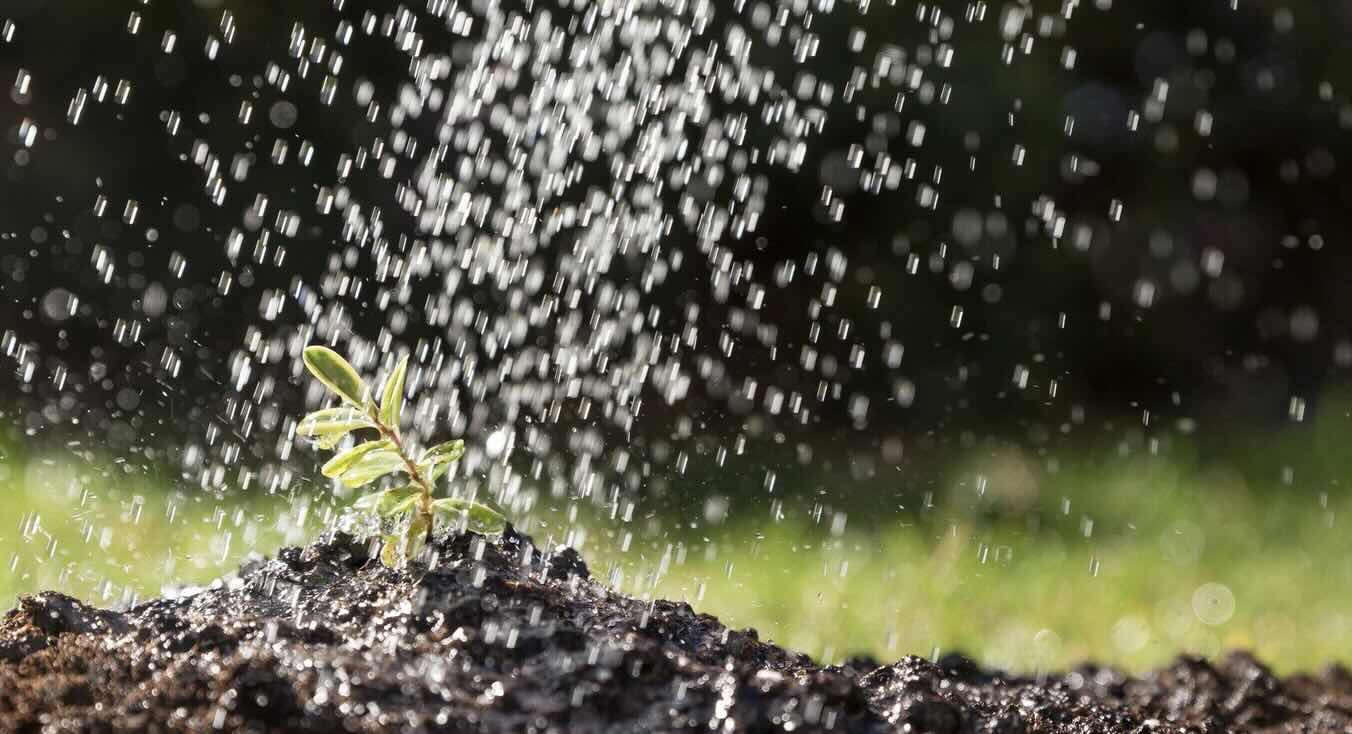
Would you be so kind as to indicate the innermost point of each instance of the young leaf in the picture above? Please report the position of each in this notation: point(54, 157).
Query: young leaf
point(329, 441)
point(399, 549)
point(392, 401)
point(416, 534)
point(368, 502)
point(389, 550)
point(347, 459)
point(479, 517)
point(332, 420)
point(390, 502)
point(372, 466)
point(330, 368)
point(436, 460)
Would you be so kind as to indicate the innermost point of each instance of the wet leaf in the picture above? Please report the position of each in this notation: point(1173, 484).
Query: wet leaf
point(330, 441)
point(367, 502)
point(389, 551)
point(349, 458)
point(438, 459)
point(372, 466)
point(389, 502)
point(392, 401)
point(415, 536)
point(403, 547)
point(448, 451)
point(329, 432)
point(332, 421)
point(479, 517)
point(330, 368)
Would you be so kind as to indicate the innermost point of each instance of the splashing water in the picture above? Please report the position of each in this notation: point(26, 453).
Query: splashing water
point(557, 210)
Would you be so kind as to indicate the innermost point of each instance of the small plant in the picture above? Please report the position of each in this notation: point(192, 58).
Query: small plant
point(413, 503)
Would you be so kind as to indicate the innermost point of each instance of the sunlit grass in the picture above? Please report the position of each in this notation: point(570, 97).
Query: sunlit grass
point(111, 534)
point(1028, 603)
point(1130, 564)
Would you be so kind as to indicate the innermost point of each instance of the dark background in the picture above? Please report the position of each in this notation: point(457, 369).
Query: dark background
point(1238, 233)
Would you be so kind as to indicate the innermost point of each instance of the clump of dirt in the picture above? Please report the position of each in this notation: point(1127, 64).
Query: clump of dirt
point(501, 636)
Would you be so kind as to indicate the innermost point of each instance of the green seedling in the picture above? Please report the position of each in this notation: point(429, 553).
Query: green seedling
point(411, 504)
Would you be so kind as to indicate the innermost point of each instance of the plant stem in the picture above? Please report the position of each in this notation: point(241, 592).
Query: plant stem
point(425, 500)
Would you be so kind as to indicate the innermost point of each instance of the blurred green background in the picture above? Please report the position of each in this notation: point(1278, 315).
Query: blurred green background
point(1129, 555)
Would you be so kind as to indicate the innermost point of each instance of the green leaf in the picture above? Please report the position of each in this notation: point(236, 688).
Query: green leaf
point(389, 551)
point(390, 502)
point(330, 368)
point(399, 549)
point(368, 502)
point(348, 459)
point(330, 425)
point(416, 534)
point(392, 401)
point(372, 466)
point(438, 459)
point(332, 420)
point(479, 517)
point(329, 441)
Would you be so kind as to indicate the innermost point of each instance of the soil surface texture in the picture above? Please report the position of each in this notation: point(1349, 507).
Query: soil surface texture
point(497, 635)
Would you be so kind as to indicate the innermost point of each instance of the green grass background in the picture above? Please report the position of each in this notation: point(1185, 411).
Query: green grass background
point(1129, 561)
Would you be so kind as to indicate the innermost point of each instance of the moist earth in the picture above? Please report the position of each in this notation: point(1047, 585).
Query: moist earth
point(498, 635)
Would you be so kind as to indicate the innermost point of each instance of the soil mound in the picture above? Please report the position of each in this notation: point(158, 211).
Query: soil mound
point(500, 636)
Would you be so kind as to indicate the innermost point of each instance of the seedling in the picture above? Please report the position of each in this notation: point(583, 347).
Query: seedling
point(411, 504)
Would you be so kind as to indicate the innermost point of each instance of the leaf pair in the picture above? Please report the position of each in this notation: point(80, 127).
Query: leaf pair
point(364, 463)
point(398, 548)
point(338, 375)
point(367, 462)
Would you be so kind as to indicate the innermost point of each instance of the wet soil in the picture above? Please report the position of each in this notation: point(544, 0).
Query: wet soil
point(501, 636)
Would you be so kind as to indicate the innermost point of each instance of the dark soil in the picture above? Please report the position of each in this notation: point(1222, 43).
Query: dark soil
point(499, 636)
